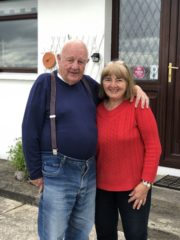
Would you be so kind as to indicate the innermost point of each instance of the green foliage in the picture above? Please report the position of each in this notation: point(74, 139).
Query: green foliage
point(16, 156)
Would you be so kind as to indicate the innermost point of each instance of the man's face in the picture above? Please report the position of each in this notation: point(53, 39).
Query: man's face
point(72, 62)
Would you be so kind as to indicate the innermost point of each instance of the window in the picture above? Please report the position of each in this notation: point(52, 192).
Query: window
point(18, 38)
point(136, 27)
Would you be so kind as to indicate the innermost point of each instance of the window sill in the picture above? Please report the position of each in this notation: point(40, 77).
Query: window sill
point(18, 76)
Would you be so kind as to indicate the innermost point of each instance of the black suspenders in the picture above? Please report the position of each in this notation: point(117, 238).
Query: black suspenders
point(53, 114)
point(52, 110)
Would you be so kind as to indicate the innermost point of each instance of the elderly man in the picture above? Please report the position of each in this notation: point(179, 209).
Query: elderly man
point(67, 179)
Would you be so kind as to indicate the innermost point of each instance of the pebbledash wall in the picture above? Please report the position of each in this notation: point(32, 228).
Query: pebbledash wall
point(58, 21)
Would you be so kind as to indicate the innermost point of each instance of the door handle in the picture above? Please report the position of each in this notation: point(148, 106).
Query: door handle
point(170, 67)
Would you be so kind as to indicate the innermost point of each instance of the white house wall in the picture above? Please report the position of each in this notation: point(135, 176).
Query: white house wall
point(62, 20)
point(13, 96)
point(58, 20)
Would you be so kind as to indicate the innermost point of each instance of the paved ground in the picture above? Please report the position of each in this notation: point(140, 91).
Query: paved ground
point(18, 210)
point(17, 220)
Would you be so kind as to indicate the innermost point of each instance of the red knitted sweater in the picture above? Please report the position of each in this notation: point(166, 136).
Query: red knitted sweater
point(128, 147)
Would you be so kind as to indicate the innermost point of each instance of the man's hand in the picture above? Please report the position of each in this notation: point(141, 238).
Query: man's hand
point(38, 183)
point(140, 96)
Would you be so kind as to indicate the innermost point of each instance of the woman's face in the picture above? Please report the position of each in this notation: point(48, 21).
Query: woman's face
point(115, 88)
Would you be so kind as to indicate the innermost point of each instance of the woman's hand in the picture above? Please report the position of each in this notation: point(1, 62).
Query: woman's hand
point(140, 96)
point(138, 195)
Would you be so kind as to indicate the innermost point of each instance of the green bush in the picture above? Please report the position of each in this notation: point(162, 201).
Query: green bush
point(16, 156)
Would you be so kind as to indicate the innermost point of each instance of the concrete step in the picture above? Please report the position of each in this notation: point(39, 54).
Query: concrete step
point(165, 214)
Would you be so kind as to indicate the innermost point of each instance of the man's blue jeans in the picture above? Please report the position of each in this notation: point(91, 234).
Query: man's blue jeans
point(67, 204)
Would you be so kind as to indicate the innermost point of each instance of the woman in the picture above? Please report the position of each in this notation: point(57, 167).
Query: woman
point(128, 155)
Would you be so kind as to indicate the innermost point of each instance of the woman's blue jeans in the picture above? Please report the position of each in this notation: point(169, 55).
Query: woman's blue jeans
point(108, 207)
point(67, 204)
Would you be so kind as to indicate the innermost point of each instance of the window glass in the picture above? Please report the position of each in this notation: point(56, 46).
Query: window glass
point(18, 45)
point(12, 7)
point(18, 38)
point(139, 37)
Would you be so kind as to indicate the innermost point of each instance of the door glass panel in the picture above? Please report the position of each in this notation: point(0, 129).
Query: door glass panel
point(139, 36)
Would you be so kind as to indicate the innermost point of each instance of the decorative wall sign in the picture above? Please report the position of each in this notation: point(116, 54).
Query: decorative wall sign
point(154, 72)
point(49, 60)
point(139, 72)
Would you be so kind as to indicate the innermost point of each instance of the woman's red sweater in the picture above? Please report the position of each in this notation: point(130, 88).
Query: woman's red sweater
point(128, 147)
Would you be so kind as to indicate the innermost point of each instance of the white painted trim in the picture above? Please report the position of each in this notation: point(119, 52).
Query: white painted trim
point(108, 29)
point(168, 171)
point(18, 76)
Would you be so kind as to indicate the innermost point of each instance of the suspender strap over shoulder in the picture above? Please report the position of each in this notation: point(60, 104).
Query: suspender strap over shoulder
point(53, 115)
point(88, 88)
